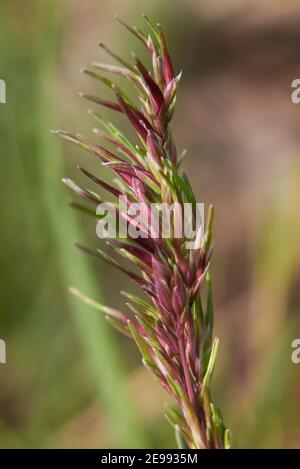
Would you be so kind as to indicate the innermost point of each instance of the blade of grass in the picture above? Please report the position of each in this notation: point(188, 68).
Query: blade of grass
point(105, 360)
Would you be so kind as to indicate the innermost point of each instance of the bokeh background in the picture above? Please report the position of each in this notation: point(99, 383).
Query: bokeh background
point(71, 381)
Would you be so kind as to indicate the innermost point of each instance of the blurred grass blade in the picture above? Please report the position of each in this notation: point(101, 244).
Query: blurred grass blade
point(97, 340)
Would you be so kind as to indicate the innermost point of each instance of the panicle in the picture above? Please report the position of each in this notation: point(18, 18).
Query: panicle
point(172, 327)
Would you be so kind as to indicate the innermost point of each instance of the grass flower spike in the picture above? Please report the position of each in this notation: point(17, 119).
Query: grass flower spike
point(173, 326)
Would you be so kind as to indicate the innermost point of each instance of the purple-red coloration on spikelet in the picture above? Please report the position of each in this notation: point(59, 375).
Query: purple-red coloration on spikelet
point(173, 328)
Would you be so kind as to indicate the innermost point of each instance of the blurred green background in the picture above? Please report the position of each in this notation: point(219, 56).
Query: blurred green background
point(71, 381)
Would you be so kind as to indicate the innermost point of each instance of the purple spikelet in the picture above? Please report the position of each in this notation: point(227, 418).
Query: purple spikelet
point(173, 328)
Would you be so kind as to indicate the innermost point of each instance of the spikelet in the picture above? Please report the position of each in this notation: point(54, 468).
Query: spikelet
point(173, 329)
